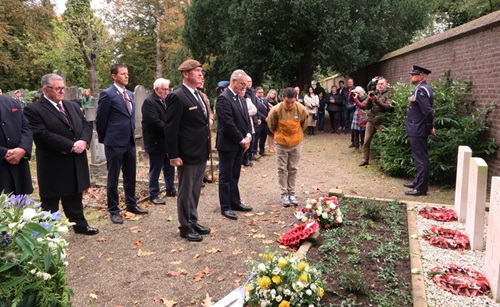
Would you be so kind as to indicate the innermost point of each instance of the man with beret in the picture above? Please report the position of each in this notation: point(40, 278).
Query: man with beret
point(419, 124)
point(188, 125)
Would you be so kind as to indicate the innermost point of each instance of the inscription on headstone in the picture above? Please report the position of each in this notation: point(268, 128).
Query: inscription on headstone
point(474, 225)
point(462, 182)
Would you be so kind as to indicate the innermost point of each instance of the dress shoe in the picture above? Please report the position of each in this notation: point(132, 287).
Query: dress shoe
point(157, 201)
point(190, 234)
point(202, 230)
point(229, 214)
point(207, 180)
point(171, 193)
point(415, 193)
point(86, 230)
point(364, 163)
point(241, 207)
point(247, 164)
point(409, 185)
point(116, 219)
point(137, 210)
point(352, 145)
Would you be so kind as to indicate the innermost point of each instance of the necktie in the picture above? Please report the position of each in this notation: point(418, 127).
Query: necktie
point(163, 104)
point(200, 101)
point(59, 106)
point(128, 101)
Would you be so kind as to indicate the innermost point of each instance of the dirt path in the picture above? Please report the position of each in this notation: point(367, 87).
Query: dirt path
point(136, 263)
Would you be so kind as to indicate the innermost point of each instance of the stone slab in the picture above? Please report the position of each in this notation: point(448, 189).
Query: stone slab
point(462, 182)
point(474, 224)
point(492, 255)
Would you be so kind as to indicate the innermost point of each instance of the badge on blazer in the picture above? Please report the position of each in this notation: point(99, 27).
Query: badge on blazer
point(193, 108)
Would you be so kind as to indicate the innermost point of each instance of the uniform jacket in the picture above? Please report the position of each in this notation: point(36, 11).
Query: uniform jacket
point(233, 121)
point(186, 128)
point(420, 116)
point(60, 172)
point(15, 131)
point(115, 125)
point(154, 116)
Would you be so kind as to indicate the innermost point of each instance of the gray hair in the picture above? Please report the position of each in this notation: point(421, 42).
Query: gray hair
point(359, 90)
point(238, 74)
point(160, 81)
point(48, 78)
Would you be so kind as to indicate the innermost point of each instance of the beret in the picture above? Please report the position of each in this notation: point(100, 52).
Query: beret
point(223, 84)
point(187, 65)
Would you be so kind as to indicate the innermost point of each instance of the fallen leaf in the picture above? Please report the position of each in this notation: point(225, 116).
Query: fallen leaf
point(213, 250)
point(252, 223)
point(165, 301)
point(102, 239)
point(198, 277)
point(109, 259)
point(259, 236)
point(232, 239)
point(176, 262)
point(197, 256)
point(140, 253)
point(206, 271)
point(248, 214)
point(237, 252)
point(207, 301)
point(239, 274)
point(134, 229)
point(81, 258)
point(169, 219)
point(173, 273)
point(220, 278)
point(260, 213)
point(267, 241)
point(277, 214)
point(138, 242)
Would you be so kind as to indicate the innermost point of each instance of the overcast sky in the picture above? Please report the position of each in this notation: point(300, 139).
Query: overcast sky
point(61, 5)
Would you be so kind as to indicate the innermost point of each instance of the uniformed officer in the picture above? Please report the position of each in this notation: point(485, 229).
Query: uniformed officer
point(419, 124)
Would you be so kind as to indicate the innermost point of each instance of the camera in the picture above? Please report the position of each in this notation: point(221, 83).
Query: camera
point(372, 94)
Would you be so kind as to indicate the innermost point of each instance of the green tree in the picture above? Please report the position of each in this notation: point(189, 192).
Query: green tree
point(454, 13)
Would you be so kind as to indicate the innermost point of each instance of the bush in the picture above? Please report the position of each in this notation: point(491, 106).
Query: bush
point(457, 122)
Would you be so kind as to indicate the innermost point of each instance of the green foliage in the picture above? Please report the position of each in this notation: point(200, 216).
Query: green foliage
point(454, 13)
point(353, 281)
point(372, 210)
point(457, 120)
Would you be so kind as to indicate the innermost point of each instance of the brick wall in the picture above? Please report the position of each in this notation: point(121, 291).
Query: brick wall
point(471, 52)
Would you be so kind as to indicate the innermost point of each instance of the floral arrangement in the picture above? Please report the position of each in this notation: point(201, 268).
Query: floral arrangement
point(32, 254)
point(324, 210)
point(283, 281)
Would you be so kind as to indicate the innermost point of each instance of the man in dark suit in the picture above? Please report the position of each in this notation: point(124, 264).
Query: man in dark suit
point(261, 129)
point(419, 124)
point(187, 128)
point(61, 136)
point(154, 115)
point(16, 141)
point(234, 136)
point(115, 123)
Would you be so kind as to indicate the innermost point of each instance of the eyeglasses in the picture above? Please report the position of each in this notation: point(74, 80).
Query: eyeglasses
point(165, 89)
point(57, 89)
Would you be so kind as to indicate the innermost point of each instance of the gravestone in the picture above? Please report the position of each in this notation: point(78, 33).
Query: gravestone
point(72, 93)
point(492, 256)
point(140, 94)
point(474, 225)
point(462, 182)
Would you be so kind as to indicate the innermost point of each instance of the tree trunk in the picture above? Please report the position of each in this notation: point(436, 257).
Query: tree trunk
point(305, 71)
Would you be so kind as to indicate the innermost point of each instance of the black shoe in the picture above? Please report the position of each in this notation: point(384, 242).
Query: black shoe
point(207, 180)
point(409, 185)
point(116, 219)
point(247, 164)
point(157, 201)
point(137, 210)
point(415, 193)
point(202, 185)
point(352, 145)
point(86, 230)
point(241, 207)
point(190, 234)
point(171, 193)
point(363, 163)
point(254, 158)
point(202, 230)
point(230, 214)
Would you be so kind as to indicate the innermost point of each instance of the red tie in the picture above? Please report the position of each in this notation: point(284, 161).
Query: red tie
point(129, 102)
point(59, 106)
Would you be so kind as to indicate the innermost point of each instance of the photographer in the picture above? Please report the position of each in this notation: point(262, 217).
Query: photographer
point(379, 102)
point(359, 97)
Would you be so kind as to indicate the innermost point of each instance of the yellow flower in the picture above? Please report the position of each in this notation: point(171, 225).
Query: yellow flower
point(282, 262)
point(267, 257)
point(284, 304)
point(303, 277)
point(302, 266)
point(264, 282)
point(320, 292)
point(248, 288)
point(276, 279)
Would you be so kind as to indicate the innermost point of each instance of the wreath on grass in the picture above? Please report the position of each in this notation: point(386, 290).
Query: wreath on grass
point(438, 214)
point(298, 233)
point(459, 280)
point(446, 238)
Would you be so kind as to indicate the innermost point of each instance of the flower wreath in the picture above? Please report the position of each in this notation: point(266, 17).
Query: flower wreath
point(446, 238)
point(300, 232)
point(461, 281)
point(438, 214)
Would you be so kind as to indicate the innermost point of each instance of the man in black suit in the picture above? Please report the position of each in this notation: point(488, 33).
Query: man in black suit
point(115, 123)
point(187, 128)
point(16, 141)
point(154, 115)
point(61, 136)
point(261, 129)
point(234, 136)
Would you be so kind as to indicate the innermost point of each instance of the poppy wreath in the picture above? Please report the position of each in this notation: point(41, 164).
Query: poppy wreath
point(461, 281)
point(298, 233)
point(446, 238)
point(438, 214)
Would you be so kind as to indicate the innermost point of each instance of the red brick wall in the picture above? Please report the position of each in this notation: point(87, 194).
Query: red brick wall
point(471, 52)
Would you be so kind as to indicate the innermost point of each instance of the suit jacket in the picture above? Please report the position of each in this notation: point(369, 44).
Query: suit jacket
point(420, 116)
point(186, 128)
point(115, 125)
point(233, 121)
point(15, 131)
point(154, 116)
point(60, 172)
point(262, 110)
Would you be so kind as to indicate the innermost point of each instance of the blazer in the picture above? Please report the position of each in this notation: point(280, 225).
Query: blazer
point(154, 116)
point(115, 125)
point(60, 172)
point(15, 131)
point(186, 128)
point(420, 115)
point(233, 121)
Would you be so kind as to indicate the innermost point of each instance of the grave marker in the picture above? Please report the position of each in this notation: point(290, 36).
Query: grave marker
point(474, 225)
point(492, 256)
point(462, 182)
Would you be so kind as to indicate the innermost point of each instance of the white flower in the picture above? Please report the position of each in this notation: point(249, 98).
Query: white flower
point(415, 271)
point(279, 298)
point(304, 218)
point(12, 225)
point(308, 206)
point(286, 292)
point(311, 305)
point(309, 292)
point(45, 276)
point(62, 229)
point(261, 267)
point(339, 219)
point(324, 215)
point(414, 236)
point(29, 214)
point(65, 263)
point(276, 270)
point(33, 271)
point(332, 205)
point(313, 287)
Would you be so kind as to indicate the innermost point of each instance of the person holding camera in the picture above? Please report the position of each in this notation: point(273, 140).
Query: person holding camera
point(359, 97)
point(379, 102)
point(311, 101)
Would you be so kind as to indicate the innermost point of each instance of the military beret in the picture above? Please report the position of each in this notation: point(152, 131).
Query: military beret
point(223, 84)
point(417, 70)
point(187, 65)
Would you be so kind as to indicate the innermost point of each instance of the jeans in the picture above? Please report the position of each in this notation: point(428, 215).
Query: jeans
point(321, 120)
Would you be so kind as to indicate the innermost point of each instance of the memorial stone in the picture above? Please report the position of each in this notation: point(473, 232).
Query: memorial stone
point(462, 182)
point(474, 225)
point(492, 256)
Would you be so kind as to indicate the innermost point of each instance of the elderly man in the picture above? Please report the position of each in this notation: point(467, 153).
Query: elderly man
point(154, 116)
point(188, 125)
point(61, 136)
point(419, 124)
point(234, 136)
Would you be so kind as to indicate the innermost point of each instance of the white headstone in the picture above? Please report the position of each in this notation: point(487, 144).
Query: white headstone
point(140, 94)
point(474, 225)
point(97, 154)
point(492, 256)
point(462, 182)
